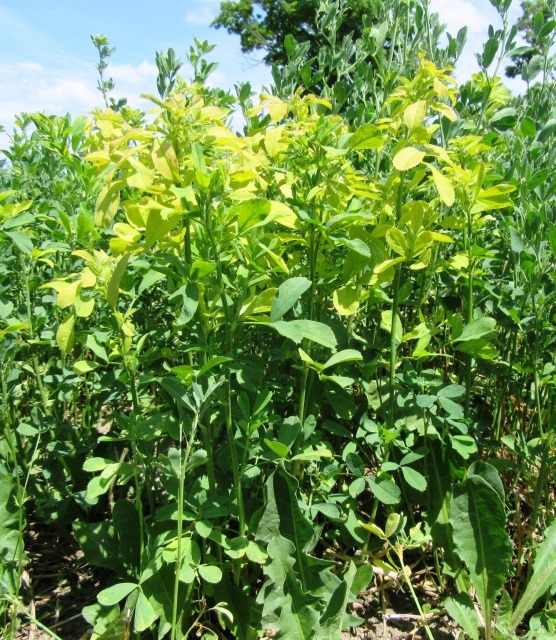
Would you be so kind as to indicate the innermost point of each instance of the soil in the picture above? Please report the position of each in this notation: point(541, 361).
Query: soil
point(60, 583)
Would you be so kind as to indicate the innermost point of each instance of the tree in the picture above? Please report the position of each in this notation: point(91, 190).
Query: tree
point(530, 26)
point(264, 24)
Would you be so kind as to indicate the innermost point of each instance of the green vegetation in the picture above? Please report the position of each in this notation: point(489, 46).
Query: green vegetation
point(251, 374)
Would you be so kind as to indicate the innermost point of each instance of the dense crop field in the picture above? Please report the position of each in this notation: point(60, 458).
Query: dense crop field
point(262, 383)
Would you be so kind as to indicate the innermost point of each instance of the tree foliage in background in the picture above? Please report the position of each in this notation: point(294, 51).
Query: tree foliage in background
point(530, 26)
point(264, 24)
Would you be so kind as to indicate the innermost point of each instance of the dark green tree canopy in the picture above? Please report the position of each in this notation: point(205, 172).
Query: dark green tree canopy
point(264, 24)
point(530, 27)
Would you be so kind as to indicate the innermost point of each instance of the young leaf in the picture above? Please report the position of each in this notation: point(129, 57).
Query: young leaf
point(408, 158)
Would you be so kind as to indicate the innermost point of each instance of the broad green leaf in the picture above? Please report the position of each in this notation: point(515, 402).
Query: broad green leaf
point(332, 622)
point(479, 349)
point(346, 355)
point(8, 506)
point(210, 573)
point(83, 367)
point(483, 328)
point(22, 241)
point(298, 330)
point(346, 300)
point(367, 136)
point(489, 51)
point(478, 520)
point(408, 158)
point(490, 475)
point(385, 489)
point(113, 595)
point(414, 478)
point(279, 448)
point(461, 609)
point(145, 615)
point(288, 294)
point(543, 578)
point(98, 543)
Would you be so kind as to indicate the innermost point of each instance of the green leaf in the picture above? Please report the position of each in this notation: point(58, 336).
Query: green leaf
point(543, 578)
point(478, 520)
point(408, 158)
point(279, 448)
point(298, 330)
point(83, 367)
point(114, 284)
point(210, 573)
point(332, 621)
point(489, 51)
point(346, 300)
point(99, 544)
point(366, 137)
point(8, 507)
point(461, 608)
point(65, 334)
point(287, 295)
point(490, 475)
point(385, 489)
point(145, 615)
point(21, 241)
point(483, 328)
point(346, 355)
point(115, 594)
point(414, 478)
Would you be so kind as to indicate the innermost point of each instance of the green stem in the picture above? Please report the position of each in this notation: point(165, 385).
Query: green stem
point(407, 580)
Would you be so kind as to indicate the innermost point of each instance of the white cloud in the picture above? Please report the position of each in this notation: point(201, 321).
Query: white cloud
point(460, 13)
point(204, 13)
point(30, 66)
point(128, 73)
point(202, 17)
point(30, 87)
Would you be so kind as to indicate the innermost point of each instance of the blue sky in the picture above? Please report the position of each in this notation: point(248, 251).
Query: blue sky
point(47, 58)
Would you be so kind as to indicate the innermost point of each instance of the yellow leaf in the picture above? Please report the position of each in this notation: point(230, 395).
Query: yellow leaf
point(283, 214)
point(142, 179)
point(346, 300)
point(415, 114)
point(65, 334)
point(107, 204)
point(88, 278)
point(67, 292)
point(446, 111)
point(84, 308)
point(397, 241)
point(373, 528)
point(164, 158)
point(444, 187)
point(408, 158)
